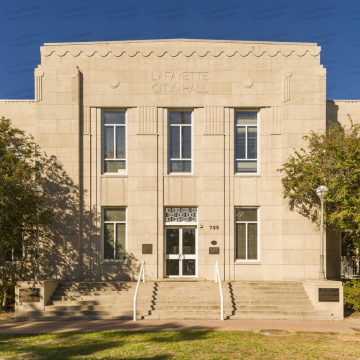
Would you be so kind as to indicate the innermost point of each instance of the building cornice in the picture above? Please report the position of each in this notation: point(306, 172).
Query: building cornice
point(117, 51)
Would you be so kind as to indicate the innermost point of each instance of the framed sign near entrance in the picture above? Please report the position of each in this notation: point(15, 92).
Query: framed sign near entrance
point(214, 250)
point(29, 295)
point(329, 295)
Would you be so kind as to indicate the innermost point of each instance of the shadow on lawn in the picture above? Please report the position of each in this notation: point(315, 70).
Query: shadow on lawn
point(107, 344)
point(66, 348)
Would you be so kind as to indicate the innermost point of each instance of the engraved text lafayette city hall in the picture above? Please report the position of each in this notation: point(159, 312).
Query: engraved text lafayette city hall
point(180, 82)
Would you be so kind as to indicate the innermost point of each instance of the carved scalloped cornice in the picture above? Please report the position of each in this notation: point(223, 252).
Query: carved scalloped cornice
point(89, 51)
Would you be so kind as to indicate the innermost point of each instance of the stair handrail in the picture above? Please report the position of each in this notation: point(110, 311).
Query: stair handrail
point(218, 277)
point(142, 271)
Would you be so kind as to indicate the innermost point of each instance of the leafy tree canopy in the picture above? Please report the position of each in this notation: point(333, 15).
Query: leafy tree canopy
point(19, 177)
point(332, 159)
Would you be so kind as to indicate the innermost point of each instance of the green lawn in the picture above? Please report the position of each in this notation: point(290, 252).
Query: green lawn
point(180, 345)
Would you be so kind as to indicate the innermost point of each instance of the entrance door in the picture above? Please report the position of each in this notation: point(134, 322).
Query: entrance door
point(180, 252)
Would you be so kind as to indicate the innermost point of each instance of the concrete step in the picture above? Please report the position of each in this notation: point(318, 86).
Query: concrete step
point(181, 301)
point(183, 286)
point(156, 316)
point(113, 307)
point(95, 292)
point(113, 298)
point(272, 295)
point(96, 303)
point(280, 317)
point(75, 318)
point(280, 312)
point(85, 313)
point(191, 308)
point(185, 312)
point(274, 307)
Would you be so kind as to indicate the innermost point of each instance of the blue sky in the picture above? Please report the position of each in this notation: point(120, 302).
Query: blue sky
point(26, 25)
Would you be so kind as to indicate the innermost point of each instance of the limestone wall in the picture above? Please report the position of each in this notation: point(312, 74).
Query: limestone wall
point(74, 82)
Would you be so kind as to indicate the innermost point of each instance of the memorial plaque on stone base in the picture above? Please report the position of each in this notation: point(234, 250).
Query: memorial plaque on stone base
point(329, 295)
point(29, 295)
point(214, 250)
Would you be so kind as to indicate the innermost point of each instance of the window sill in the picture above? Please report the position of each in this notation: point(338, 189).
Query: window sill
point(113, 175)
point(180, 174)
point(247, 175)
point(247, 262)
point(13, 262)
point(113, 262)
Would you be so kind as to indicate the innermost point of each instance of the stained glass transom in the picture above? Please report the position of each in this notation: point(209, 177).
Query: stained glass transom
point(180, 215)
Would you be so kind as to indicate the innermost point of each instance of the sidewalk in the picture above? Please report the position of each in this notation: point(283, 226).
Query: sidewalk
point(12, 327)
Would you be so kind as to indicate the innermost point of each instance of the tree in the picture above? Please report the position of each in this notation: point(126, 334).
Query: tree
point(20, 209)
point(332, 159)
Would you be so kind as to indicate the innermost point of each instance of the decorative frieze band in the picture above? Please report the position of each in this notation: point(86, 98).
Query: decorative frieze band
point(322, 85)
point(86, 112)
point(276, 120)
point(214, 120)
point(75, 87)
point(244, 51)
point(285, 87)
point(39, 73)
point(147, 120)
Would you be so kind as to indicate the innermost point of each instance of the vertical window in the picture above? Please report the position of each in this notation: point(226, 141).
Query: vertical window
point(16, 252)
point(114, 226)
point(246, 234)
point(114, 141)
point(180, 143)
point(246, 142)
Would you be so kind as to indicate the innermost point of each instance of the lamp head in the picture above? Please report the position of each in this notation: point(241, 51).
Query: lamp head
point(321, 192)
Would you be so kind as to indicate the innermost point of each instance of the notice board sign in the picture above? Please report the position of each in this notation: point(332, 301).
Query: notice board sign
point(29, 295)
point(214, 250)
point(329, 295)
point(147, 248)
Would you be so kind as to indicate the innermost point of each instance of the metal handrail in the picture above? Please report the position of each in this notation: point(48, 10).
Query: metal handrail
point(217, 277)
point(142, 271)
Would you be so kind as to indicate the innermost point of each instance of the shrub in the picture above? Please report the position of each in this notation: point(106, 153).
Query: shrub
point(352, 294)
point(10, 296)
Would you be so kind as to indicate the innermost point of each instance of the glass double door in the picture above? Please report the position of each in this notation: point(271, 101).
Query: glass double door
point(180, 252)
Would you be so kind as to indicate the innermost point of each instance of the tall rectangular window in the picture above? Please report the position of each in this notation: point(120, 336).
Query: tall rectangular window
point(246, 142)
point(16, 252)
point(246, 234)
point(114, 229)
point(180, 141)
point(114, 141)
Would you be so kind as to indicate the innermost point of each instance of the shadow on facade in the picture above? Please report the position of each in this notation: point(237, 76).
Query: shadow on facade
point(70, 247)
point(331, 113)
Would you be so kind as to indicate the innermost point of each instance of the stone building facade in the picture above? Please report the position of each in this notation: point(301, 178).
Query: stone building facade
point(167, 152)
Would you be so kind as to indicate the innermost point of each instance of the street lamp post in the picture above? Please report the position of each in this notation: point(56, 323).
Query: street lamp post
point(321, 193)
point(39, 193)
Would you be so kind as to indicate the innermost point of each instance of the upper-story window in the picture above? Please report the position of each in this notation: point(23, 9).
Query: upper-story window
point(114, 141)
point(180, 143)
point(246, 142)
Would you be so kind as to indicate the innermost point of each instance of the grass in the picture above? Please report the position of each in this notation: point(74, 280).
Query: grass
point(163, 345)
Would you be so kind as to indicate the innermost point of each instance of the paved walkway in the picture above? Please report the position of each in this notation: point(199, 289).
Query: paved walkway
point(12, 327)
